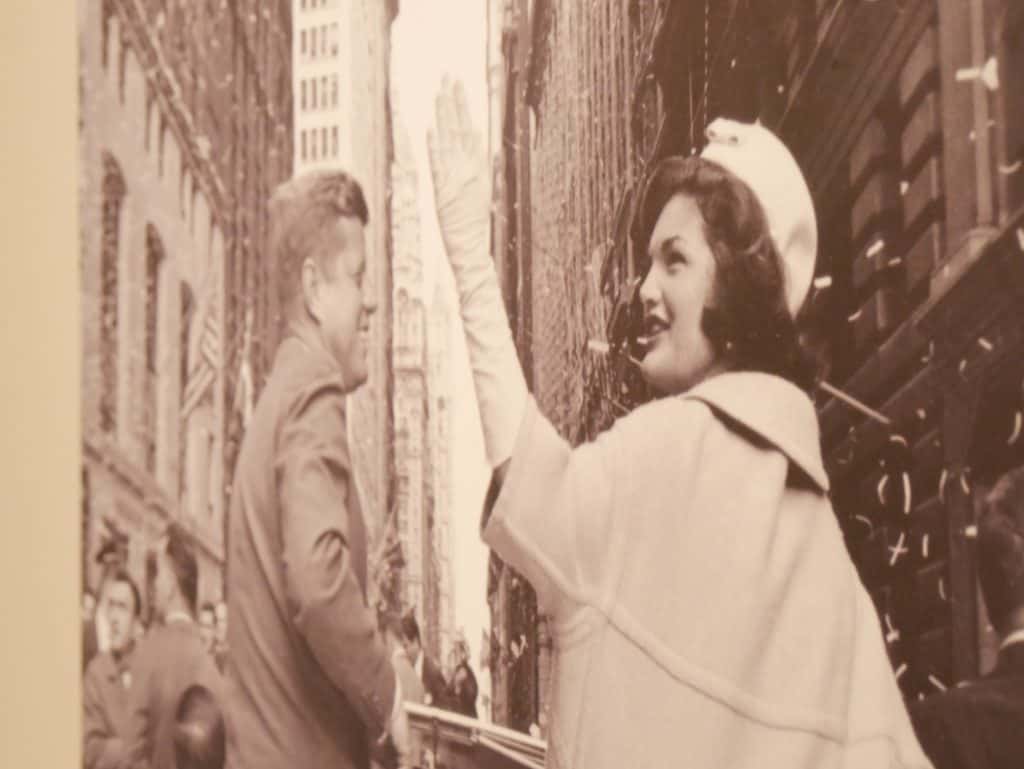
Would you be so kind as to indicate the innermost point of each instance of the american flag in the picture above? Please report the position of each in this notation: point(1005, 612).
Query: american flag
point(204, 373)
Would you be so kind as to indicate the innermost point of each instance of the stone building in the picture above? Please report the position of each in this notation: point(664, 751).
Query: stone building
point(184, 127)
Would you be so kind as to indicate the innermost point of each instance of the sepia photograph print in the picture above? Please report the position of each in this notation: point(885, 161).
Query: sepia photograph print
point(551, 383)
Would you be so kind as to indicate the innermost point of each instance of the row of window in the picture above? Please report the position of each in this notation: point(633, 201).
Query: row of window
point(316, 5)
point(314, 145)
point(324, 97)
point(319, 42)
point(114, 192)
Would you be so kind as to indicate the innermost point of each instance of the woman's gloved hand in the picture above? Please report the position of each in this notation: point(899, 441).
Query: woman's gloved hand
point(461, 194)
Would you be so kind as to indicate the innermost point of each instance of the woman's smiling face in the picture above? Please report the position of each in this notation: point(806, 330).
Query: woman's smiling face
point(674, 294)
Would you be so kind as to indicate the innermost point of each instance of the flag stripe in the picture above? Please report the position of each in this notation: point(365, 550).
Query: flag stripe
point(196, 389)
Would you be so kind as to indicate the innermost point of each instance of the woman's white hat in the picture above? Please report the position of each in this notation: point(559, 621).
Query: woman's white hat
point(757, 156)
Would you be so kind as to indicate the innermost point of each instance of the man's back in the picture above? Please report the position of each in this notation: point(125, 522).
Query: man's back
point(285, 708)
point(169, 660)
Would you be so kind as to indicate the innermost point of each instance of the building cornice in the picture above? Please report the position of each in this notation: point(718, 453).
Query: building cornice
point(167, 92)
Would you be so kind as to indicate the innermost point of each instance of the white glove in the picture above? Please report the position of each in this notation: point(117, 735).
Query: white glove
point(459, 169)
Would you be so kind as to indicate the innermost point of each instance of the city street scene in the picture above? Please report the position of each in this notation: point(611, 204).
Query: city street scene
point(566, 383)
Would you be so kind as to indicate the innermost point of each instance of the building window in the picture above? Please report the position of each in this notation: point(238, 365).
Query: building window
point(334, 141)
point(323, 91)
point(304, 152)
point(302, 43)
point(334, 39)
point(313, 99)
point(323, 39)
point(186, 305)
point(113, 197)
point(302, 100)
point(312, 144)
point(323, 141)
point(334, 91)
point(154, 261)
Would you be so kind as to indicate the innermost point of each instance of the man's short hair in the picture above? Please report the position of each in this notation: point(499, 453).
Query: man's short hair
point(121, 575)
point(303, 212)
point(181, 555)
point(1001, 548)
point(199, 737)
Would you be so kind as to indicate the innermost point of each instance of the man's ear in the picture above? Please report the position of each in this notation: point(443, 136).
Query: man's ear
point(311, 284)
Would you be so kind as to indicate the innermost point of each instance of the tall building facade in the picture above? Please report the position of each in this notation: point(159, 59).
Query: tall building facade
point(422, 415)
point(410, 377)
point(440, 475)
point(341, 62)
point(180, 137)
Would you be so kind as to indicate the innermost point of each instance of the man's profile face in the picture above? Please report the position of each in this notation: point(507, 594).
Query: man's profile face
point(344, 304)
point(119, 609)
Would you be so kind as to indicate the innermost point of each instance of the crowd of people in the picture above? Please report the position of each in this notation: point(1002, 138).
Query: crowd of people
point(762, 647)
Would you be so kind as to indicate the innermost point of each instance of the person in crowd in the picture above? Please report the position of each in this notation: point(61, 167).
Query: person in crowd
point(981, 725)
point(703, 598)
point(427, 671)
point(412, 687)
point(311, 682)
point(171, 658)
point(464, 689)
point(207, 626)
point(199, 733)
point(106, 689)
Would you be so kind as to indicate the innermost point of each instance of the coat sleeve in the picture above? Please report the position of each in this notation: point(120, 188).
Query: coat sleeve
point(553, 512)
point(325, 595)
point(562, 516)
point(102, 749)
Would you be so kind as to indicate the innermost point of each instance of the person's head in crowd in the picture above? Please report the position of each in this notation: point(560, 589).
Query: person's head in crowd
point(88, 606)
point(175, 574)
point(122, 606)
point(221, 617)
point(731, 237)
point(1001, 553)
point(318, 249)
point(207, 625)
point(199, 738)
point(409, 631)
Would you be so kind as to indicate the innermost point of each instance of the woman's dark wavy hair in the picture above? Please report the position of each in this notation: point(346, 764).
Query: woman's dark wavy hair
point(748, 323)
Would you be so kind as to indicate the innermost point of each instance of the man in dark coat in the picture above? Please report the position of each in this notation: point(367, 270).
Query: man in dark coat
point(171, 658)
point(981, 725)
point(430, 675)
point(310, 682)
point(106, 689)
